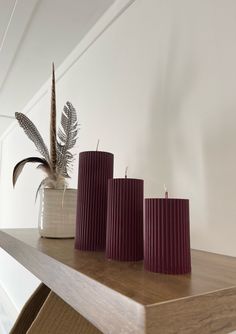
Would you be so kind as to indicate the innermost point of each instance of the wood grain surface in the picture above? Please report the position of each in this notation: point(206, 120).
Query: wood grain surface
point(120, 297)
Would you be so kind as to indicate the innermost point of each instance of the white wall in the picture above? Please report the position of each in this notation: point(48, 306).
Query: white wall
point(17, 282)
point(158, 89)
point(8, 312)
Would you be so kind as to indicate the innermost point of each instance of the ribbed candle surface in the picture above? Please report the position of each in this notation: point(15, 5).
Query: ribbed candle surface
point(125, 220)
point(167, 236)
point(95, 168)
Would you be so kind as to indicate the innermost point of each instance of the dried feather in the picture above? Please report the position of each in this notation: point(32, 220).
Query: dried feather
point(56, 163)
point(67, 136)
point(33, 134)
point(53, 135)
point(39, 187)
point(45, 168)
point(19, 167)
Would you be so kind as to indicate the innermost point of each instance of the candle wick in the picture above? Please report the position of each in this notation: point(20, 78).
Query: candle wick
point(166, 192)
point(126, 172)
point(97, 144)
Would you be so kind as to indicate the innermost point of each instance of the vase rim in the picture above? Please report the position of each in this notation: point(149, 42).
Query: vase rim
point(53, 189)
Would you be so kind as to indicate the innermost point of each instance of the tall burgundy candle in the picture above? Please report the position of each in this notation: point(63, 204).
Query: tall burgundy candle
point(125, 220)
point(95, 168)
point(167, 236)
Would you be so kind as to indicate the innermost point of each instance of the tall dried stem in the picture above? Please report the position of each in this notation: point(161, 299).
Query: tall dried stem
point(53, 135)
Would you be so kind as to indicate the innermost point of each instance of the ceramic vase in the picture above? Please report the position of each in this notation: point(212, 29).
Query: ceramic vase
point(57, 213)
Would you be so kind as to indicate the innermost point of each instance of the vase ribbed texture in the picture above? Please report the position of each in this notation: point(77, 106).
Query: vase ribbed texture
point(125, 220)
point(167, 236)
point(57, 213)
point(95, 168)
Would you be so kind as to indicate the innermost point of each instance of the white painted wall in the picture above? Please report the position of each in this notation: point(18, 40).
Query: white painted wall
point(157, 87)
point(8, 312)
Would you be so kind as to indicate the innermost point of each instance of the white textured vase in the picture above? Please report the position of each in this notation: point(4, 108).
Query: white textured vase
point(57, 213)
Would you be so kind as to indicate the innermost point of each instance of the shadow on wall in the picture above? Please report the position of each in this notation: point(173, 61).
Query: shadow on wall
point(166, 143)
point(191, 138)
point(219, 151)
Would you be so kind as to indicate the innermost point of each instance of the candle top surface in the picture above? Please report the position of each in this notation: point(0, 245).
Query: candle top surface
point(125, 178)
point(96, 152)
point(163, 198)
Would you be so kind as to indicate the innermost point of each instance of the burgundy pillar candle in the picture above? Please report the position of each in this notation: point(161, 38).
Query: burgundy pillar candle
point(95, 168)
point(167, 236)
point(125, 220)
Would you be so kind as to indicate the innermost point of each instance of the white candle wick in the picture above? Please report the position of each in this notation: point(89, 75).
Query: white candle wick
point(126, 172)
point(166, 192)
point(97, 144)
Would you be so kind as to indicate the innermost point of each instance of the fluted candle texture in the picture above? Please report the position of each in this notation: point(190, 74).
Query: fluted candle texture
point(95, 168)
point(125, 220)
point(167, 236)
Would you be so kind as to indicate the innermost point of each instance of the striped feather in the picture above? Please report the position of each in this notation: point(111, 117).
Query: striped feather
point(67, 136)
point(33, 134)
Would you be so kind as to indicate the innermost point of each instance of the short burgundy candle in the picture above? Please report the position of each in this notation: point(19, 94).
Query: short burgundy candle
point(95, 168)
point(125, 220)
point(167, 236)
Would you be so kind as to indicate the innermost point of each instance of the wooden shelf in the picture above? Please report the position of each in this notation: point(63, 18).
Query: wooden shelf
point(120, 297)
